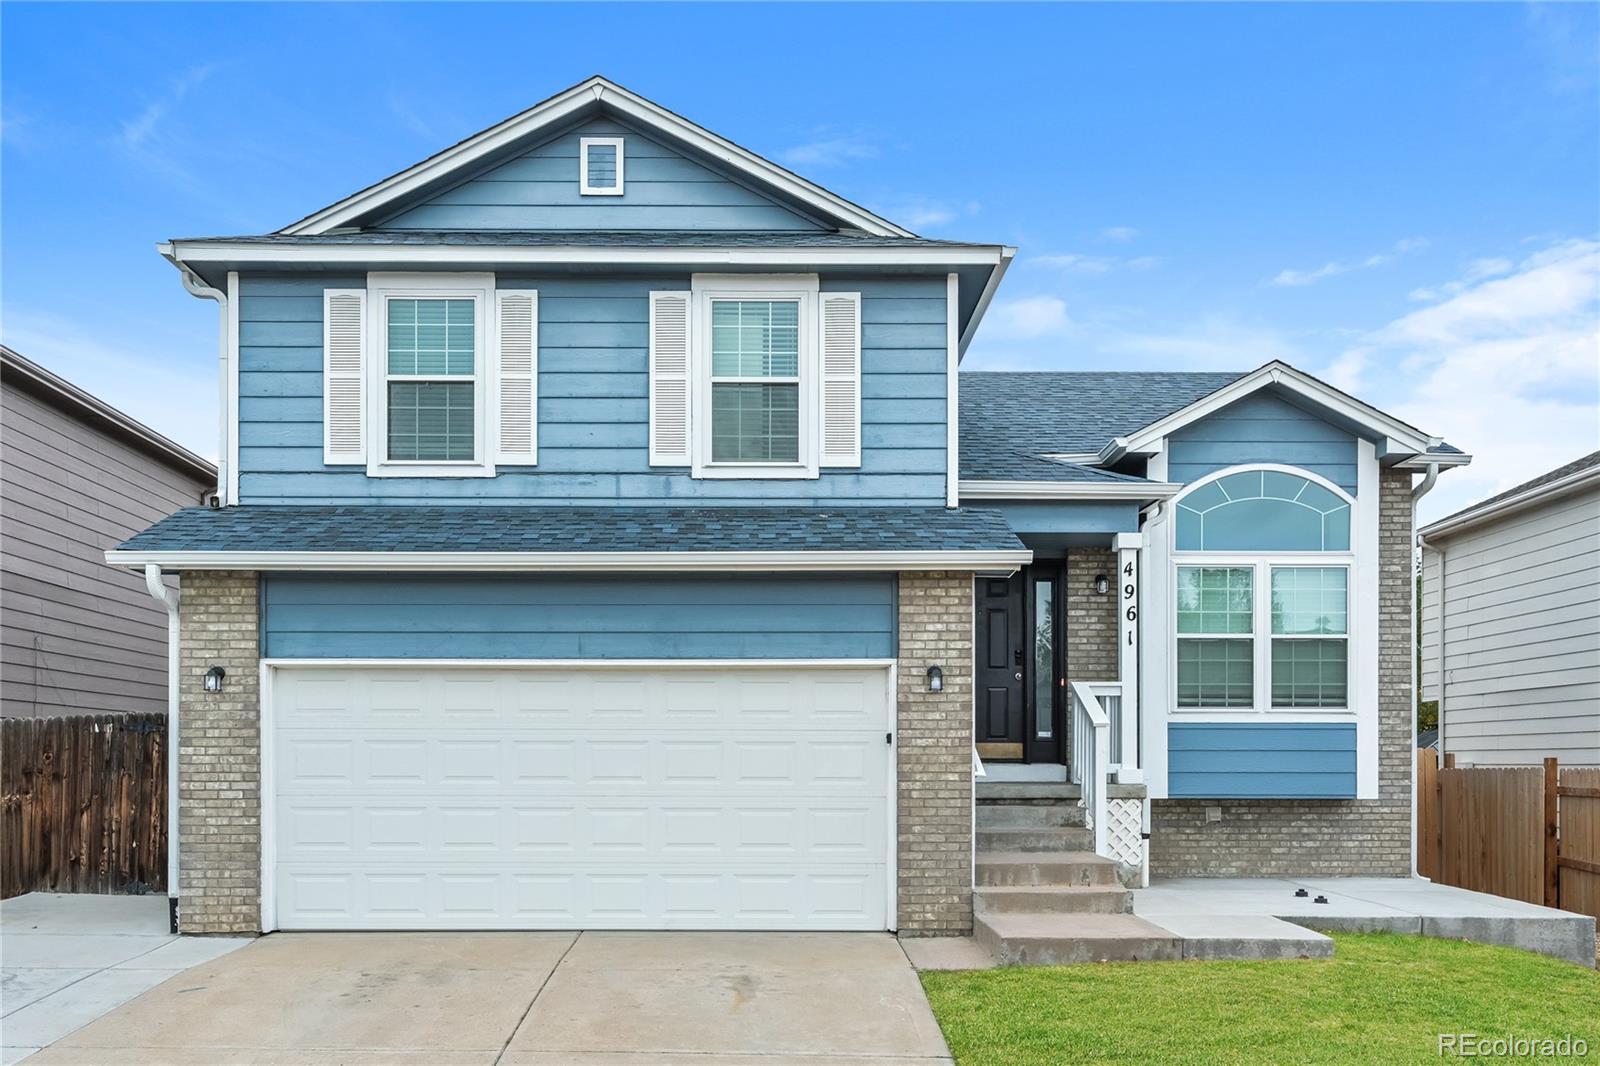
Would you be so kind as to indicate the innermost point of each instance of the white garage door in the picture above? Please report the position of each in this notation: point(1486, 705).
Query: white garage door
point(607, 798)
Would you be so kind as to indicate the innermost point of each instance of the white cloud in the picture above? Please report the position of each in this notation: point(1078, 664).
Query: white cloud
point(1476, 270)
point(1026, 318)
point(1214, 342)
point(830, 150)
point(1118, 234)
point(1077, 263)
point(138, 129)
point(921, 213)
point(1506, 367)
point(1289, 278)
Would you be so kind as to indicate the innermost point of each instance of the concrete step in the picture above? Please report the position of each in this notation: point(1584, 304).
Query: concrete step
point(1035, 813)
point(1034, 838)
point(1045, 868)
point(1052, 899)
point(1057, 939)
point(1027, 790)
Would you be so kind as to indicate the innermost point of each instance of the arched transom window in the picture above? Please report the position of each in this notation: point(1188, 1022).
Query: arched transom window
point(1263, 593)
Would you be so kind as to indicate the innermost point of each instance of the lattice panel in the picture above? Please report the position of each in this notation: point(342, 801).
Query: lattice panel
point(1124, 831)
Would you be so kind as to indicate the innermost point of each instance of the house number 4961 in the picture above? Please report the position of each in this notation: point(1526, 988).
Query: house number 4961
point(1129, 591)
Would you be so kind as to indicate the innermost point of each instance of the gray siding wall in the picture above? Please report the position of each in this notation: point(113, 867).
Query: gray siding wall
point(663, 189)
point(594, 392)
point(1513, 606)
point(77, 636)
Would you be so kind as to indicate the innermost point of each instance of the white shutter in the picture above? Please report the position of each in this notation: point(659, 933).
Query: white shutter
point(669, 379)
point(517, 375)
point(841, 378)
point(344, 346)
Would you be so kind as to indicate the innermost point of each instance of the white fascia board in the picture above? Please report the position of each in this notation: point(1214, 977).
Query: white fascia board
point(633, 562)
point(1148, 440)
point(1499, 508)
point(1439, 459)
point(563, 106)
point(247, 252)
point(1007, 254)
point(1068, 490)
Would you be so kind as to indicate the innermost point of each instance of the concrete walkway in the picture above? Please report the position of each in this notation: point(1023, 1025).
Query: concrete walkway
point(66, 960)
point(530, 999)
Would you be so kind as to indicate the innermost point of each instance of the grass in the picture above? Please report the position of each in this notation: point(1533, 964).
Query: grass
point(1382, 998)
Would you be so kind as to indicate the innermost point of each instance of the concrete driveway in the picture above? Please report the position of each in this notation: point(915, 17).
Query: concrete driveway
point(529, 999)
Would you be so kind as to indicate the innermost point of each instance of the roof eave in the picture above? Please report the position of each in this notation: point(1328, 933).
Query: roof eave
point(1475, 516)
point(982, 489)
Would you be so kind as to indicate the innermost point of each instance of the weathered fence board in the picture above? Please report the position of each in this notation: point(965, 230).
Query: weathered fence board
point(1428, 840)
point(83, 804)
point(1578, 871)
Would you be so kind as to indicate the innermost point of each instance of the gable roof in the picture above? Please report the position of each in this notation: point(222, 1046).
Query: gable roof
point(591, 96)
point(1566, 478)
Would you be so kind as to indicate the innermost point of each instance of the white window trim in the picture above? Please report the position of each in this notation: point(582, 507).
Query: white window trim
point(1158, 671)
point(584, 188)
point(800, 287)
point(485, 396)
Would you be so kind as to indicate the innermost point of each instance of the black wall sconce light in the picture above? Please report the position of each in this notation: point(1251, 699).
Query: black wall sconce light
point(214, 678)
point(1102, 584)
point(935, 679)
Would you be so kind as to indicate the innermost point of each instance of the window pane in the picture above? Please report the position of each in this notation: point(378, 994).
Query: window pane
point(1216, 599)
point(755, 338)
point(1216, 673)
point(1310, 673)
point(1263, 511)
point(755, 423)
point(432, 337)
point(1044, 657)
point(1309, 600)
point(602, 166)
point(430, 420)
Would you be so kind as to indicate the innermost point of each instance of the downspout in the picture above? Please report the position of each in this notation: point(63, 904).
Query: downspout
point(169, 599)
point(196, 287)
point(1419, 490)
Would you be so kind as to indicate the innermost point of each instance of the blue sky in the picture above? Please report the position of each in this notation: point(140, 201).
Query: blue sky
point(1402, 198)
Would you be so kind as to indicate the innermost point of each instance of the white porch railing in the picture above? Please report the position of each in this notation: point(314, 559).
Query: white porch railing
point(1091, 759)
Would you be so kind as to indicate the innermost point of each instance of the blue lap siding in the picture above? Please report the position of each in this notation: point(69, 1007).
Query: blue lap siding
point(639, 616)
point(593, 403)
point(1262, 428)
point(1244, 760)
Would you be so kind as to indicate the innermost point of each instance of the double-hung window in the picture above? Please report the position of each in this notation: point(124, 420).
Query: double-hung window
point(431, 390)
point(1263, 565)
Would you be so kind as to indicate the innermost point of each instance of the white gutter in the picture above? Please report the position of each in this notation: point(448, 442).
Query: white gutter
point(1484, 512)
point(1419, 490)
point(1068, 490)
point(593, 562)
point(196, 287)
point(169, 599)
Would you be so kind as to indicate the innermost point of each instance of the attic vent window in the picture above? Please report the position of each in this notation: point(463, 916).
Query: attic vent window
point(600, 166)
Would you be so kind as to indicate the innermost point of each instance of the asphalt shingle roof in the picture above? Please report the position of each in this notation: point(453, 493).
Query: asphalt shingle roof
point(1566, 470)
point(576, 529)
point(592, 239)
point(1010, 419)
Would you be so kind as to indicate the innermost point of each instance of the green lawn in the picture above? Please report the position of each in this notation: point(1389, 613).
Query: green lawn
point(1381, 998)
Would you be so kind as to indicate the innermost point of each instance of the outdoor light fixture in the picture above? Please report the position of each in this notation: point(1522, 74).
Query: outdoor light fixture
point(1102, 584)
point(214, 678)
point(935, 679)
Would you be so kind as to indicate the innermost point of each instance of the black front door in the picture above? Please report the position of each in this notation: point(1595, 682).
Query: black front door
point(1002, 713)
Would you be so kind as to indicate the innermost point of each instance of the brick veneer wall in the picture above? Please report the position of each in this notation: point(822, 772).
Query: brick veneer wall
point(1330, 837)
point(1091, 617)
point(219, 756)
point(934, 748)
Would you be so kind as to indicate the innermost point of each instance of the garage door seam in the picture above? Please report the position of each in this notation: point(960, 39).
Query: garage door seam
point(515, 1029)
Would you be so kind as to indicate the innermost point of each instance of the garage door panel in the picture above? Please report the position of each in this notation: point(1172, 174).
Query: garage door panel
point(603, 798)
point(619, 897)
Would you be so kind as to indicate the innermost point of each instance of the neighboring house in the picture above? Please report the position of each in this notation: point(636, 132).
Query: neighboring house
point(611, 540)
point(1511, 622)
point(78, 477)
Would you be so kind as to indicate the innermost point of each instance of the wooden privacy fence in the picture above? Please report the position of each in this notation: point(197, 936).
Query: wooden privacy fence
point(83, 804)
point(1530, 833)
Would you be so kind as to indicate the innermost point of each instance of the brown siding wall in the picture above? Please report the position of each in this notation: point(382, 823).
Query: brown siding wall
point(1263, 838)
point(77, 636)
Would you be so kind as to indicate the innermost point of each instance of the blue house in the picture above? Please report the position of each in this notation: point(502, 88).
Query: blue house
point(607, 537)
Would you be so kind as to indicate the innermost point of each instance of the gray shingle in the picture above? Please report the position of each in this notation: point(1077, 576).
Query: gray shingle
point(592, 239)
point(1010, 419)
point(576, 529)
